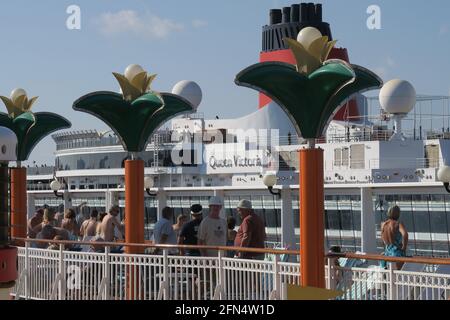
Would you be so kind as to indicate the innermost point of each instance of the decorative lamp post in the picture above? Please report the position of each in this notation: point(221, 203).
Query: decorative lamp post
point(55, 185)
point(310, 93)
point(270, 180)
point(134, 115)
point(149, 183)
point(443, 175)
point(30, 128)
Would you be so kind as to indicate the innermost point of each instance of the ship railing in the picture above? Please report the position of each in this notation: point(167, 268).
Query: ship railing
point(161, 273)
point(78, 275)
point(391, 162)
point(375, 277)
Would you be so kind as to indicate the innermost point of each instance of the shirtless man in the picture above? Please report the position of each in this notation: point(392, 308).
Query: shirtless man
point(89, 227)
point(109, 224)
point(34, 222)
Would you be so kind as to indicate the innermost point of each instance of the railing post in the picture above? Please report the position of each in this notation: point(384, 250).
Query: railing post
point(276, 276)
point(107, 273)
point(222, 274)
point(331, 283)
point(392, 291)
point(166, 273)
point(27, 268)
point(62, 273)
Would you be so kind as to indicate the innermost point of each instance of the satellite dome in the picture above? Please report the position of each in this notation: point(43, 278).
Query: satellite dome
point(8, 144)
point(397, 97)
point(189, 90)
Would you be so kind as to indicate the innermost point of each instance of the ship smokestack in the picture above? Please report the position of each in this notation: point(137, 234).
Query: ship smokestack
point(319, 12)
point(311, 12)
point(286, 14)
point(295, 13)
point(287, 22)
point(275, 16)
point(303, 12)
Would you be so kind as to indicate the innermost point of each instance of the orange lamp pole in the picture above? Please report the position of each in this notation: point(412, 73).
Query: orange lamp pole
point(19, 203)
point(312, 252)
point(134, 218)
point(134, 204)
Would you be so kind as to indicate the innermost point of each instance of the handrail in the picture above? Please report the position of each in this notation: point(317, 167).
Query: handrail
point(160, 246)
point(375, 257)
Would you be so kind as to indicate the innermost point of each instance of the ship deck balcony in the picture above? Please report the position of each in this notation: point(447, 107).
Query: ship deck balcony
point(103, 275)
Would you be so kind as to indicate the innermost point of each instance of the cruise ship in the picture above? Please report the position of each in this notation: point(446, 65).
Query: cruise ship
point(374, 156)
point(369, 164)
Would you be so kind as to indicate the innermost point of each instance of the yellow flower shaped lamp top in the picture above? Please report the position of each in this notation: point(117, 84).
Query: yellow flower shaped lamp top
point(135, 82)
point(310, 50)
point(18, 102)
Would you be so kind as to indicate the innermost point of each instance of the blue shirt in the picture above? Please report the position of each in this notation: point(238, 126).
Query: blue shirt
point(164, 226)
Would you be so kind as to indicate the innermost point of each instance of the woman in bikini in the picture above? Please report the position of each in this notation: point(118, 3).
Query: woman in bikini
point(394, 236)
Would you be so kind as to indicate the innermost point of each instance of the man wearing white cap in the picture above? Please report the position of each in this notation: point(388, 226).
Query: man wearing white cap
point(251, 233)
point(213, 229)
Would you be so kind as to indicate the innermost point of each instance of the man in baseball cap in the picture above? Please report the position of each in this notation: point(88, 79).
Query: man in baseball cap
point(216, 201)
point(188, 234)
point(213, 229)
point(251, 233)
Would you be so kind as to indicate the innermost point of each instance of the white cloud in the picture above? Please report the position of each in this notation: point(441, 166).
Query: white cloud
point(444, 30)
point(390, 62)
point(197, 23)
point(129, 21)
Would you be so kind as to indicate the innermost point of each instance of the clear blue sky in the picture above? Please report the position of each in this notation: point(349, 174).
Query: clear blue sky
point(207, 41)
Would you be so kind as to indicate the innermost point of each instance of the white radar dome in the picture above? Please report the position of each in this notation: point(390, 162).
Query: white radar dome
point(397, 97)
point(307, 35)
point(189, 90)
point(8, 145)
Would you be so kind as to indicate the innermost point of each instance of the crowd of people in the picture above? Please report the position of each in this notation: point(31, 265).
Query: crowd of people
point(211, 230)
point(46, 224)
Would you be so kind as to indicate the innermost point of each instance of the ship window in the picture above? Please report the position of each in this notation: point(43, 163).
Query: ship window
point(338, 157)
point(357, 156)
point(345, 157)
point(432, 156)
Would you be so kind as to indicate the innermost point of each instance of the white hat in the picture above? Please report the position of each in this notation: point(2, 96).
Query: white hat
point(215, 201)
point(245, 204)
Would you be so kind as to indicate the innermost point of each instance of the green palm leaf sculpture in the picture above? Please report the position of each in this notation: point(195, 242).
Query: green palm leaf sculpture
point(31, 128)
point(135, 114)
point(312, 91)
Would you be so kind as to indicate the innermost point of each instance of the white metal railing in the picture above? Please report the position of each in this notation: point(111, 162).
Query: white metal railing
point(372, 282)
point(66, 275)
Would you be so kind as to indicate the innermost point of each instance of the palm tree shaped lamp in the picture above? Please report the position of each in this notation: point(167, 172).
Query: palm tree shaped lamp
point(30, 128)
point(134, 115)
point(310, 93)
